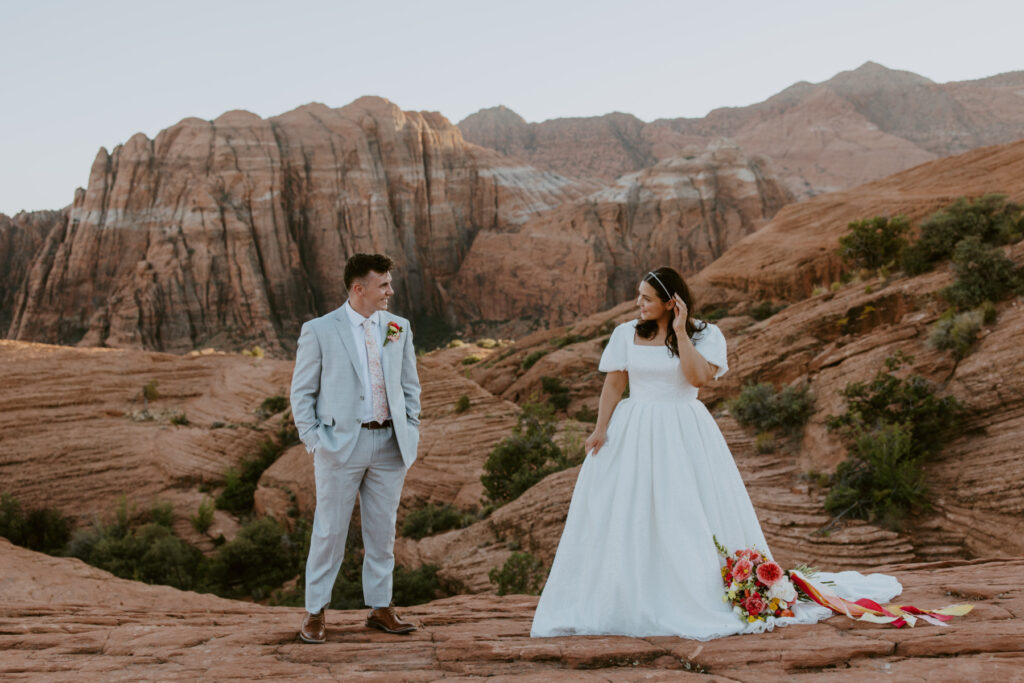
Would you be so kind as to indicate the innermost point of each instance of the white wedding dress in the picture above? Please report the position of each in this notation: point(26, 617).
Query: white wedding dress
point(636, 556)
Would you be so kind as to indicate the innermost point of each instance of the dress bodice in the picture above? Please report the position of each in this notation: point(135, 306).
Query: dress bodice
point(654, 373)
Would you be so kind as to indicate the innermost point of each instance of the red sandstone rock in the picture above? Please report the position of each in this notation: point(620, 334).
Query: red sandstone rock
point(235, 231)
point(61, 619)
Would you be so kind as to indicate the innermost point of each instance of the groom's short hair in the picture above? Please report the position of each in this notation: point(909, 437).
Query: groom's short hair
point(360, 265)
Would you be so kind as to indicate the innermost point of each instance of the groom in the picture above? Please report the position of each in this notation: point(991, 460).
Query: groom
point(356, 403)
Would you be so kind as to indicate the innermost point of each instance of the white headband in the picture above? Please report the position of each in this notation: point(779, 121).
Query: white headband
point(663, 287)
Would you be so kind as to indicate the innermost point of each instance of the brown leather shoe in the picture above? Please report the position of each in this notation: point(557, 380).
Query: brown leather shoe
point(314, 628)
point(386, 620)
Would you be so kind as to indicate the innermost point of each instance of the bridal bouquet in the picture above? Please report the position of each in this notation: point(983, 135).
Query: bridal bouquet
point(756, 586)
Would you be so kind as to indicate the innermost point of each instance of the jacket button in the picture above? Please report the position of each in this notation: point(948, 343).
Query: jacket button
point(361, 397)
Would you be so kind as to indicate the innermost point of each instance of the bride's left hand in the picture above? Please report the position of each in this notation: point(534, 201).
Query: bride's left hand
point(682, 313)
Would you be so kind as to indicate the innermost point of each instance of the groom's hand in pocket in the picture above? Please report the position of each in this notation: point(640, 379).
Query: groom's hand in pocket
point(594, 441)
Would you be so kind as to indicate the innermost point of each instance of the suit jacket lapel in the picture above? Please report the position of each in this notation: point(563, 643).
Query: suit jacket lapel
point(344, 327)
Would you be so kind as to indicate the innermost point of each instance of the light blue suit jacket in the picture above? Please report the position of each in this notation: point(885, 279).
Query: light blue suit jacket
point(327, 387)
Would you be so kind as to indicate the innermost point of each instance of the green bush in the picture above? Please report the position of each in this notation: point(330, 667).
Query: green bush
point(889, 399)
point(430, 519)
point(150, 553)
point(522, 573)
point(558, 393)
point(531, 359)
point(149, 391)
point(462, 404)
point(586, 414)
point(203, 518)
point(486, 343)
point(273, 405)
point(240, 484)
point(568, 339)
point(893, 425)
point(416, 586)
point(179, 419)
point(761, 407)
point(982, 274)
point(957, 332)
point(714, 314)
point(162, 513)
point(524, 458)
point(881, 480)
point(43, 529)
point(874, 242)
point(260, 558)
point(456, 343)
point(990, 219)
point(765, 310)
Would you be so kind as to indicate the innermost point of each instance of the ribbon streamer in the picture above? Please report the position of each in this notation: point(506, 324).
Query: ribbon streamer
point(869, 610)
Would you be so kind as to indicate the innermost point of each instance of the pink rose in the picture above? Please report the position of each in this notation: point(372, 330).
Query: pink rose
point(741, 570)
point(768, 573)
point(754, 604)
point(749, 554)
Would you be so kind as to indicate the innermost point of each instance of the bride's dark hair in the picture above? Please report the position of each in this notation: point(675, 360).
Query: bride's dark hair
point(667, 282)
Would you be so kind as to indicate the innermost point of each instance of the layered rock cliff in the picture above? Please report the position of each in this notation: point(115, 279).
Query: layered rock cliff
point(858, 126)
point(21, 239)
point(235, 230)
point(581, 258)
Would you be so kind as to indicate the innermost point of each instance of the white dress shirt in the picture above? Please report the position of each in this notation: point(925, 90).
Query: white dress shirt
point(359, 338)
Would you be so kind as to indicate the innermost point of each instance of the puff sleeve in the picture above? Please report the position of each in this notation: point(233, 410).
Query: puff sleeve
point(614, 356)
point(710, 343)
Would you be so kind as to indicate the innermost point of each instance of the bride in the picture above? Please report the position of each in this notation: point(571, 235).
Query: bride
point(637, 555)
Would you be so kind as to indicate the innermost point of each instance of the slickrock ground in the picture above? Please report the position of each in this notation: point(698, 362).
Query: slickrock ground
point(856, 127)
point(62, 620)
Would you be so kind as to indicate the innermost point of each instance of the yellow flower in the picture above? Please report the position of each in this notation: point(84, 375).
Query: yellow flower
point(751, 618)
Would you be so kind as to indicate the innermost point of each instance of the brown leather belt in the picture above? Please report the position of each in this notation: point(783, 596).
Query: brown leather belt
point(377, 425)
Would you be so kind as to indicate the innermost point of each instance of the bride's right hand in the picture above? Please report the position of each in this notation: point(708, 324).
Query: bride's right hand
point(594, 441)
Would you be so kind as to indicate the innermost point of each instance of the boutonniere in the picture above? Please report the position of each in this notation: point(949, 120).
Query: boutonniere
point(394, 330)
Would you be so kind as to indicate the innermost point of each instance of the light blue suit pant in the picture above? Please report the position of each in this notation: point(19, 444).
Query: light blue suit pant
point(375, 471)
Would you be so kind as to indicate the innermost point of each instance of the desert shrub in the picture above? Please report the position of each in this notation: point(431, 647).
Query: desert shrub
point(240, 484)
point(764, 442)
point(761, 407)
point(203, 518)
point(522, 573)
point(42, 529)
point(462, 404)
point(524, 458)
point(150, 553)
point(429, 520)
point(456, 343)
point(874, 242)
point(765, 310)
point(416, 586)
point(881, 480)
point(957, 332)
point(713, 314)
point(586, 414)
point(892, 425)
point(260, 558)
point(273, 405)
point(568, 339)
point(179, 419)
point(472, 358)
point(149, 391)
point(532, 358)
point(991, 219)
point(486, 343)
point(889, 399)
point(982, 274)
point(557, 392)
point(162, 513)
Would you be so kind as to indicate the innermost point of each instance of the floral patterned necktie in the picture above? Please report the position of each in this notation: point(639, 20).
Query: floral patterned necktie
point(380, 396)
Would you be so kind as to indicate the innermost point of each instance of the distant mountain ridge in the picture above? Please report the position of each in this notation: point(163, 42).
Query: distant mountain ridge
point(858, 126)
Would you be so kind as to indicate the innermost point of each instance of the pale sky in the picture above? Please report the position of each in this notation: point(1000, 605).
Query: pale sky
point(75, 76)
